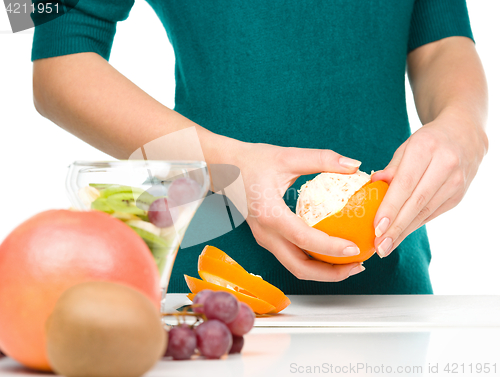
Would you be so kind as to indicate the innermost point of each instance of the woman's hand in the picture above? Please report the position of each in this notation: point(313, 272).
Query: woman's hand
point(268, 171)
point(428, 175)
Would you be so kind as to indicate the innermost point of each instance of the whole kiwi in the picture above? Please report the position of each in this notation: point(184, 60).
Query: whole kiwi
point(103, 329)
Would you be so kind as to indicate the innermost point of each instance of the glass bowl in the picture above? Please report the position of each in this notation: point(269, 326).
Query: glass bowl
point(127, 191)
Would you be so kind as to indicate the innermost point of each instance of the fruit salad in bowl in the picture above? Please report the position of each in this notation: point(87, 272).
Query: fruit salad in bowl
point(156, 199)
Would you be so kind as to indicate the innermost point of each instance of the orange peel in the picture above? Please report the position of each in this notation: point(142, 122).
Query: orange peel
point(220, 272)
point(258, 306)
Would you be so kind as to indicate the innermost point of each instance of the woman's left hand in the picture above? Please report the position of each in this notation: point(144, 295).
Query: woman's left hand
point(428, 175)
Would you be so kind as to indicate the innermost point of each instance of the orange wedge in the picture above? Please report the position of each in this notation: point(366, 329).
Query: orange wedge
point(258, 306)
point(213, 252)
point(220, 272)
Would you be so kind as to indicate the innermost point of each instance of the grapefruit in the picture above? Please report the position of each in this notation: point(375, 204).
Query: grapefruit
point(343, 206)
point(52, 252)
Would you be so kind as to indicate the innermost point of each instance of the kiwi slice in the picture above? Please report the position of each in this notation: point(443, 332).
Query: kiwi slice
point(121, 206)
point(125, 216)
point(158, 246)
point(100, 186)
point(125, 202)
point(142, 196)
point(145, 199)
point(119, 189)
point(160, 263)
point(101, 204)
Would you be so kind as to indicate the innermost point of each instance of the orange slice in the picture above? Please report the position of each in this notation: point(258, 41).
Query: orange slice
point(258, 306)
point(213, 252)
point(224, 274)
point(221, 272)
point(355, 223)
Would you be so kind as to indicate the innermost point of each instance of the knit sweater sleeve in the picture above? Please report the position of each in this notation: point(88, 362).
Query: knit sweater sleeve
point(88, 27)
point(437, 19)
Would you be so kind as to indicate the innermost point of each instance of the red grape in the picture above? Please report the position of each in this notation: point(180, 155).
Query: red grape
point(214, 339)
point(163, 212)
point(184, 190)
point(243, 322)
point(222, 306)
point(237, 346)
point(200, 298)
point(181, 342)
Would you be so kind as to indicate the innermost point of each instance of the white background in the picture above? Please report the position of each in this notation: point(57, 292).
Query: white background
point(34, 153)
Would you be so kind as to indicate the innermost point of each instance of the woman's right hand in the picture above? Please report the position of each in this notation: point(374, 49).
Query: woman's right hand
point(268, 171)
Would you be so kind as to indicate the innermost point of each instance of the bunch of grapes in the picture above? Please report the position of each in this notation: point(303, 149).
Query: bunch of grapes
point(225, 321)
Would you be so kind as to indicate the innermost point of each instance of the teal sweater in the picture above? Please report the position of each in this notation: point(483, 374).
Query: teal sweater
point(310, 73)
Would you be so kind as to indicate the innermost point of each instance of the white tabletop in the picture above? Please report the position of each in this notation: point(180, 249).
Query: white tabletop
point(351, 334)
point(379, 311)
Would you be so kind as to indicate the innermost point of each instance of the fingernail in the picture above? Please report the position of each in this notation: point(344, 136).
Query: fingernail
point(349, 162)
point(357, 270)
point(382, 226)
point(350, 251)
point(384, 248)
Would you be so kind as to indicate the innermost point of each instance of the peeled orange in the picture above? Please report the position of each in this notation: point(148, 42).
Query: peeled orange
point(343, 206)
point(220, 272)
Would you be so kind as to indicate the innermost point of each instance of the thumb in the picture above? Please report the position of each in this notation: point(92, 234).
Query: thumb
point(390, 170)
point(310, 161)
